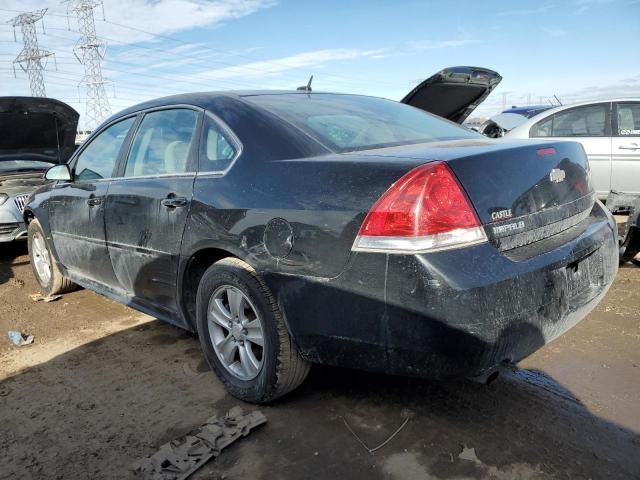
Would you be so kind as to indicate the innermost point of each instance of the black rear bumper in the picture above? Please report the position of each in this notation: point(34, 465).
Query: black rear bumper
point(460, 312)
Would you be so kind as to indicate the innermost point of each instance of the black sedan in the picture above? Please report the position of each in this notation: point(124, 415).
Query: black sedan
point(290, 228)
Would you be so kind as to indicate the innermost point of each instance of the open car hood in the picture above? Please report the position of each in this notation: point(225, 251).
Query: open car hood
point(455, 92)
point(33, 128)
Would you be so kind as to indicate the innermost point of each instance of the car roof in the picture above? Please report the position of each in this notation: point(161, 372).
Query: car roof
point(559, 108)
point(203, 99)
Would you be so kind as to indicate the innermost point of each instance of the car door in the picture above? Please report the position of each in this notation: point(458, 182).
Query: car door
point(625, 155)
point(76, 208)
point(591, 126)
point(147, 206)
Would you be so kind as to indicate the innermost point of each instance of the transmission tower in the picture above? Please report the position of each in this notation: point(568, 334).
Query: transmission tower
point(89, 51)
point(31, 57)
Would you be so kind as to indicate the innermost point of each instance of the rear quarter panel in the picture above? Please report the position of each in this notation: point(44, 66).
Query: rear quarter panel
point(296, 216)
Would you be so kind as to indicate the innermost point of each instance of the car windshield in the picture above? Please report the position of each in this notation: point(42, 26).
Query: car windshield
point(7, 166)
point(350, 122)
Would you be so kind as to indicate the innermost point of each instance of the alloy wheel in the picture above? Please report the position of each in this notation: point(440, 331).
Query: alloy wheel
point(236, 332)
point(41, 259)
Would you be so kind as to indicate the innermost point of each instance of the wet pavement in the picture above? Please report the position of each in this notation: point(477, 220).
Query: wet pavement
point(104, 386)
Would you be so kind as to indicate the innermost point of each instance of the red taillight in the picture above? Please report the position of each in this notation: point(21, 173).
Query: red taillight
point(543, 152)
point(426, 209)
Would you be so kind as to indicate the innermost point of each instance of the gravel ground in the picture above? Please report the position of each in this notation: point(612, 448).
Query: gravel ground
point(103, 386)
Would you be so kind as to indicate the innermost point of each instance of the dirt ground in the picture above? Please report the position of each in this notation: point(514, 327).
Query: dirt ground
point(103, 386)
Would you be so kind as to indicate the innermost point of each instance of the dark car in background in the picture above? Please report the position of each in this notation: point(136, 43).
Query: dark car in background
point(35, 134)
point(288, 228)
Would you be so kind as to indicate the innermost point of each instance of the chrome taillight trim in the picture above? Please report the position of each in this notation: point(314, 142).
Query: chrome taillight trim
point(457, 238)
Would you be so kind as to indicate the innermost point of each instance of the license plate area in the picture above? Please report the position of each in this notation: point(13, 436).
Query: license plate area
point(585, 273)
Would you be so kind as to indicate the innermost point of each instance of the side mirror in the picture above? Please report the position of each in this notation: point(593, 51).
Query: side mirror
point(58, 173)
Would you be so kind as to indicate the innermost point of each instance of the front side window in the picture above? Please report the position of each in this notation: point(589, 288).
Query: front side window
point(99, 158)
point(351, 122)
point(162, 143)
point(588, 121)
point(628, 120)
point(217, 151)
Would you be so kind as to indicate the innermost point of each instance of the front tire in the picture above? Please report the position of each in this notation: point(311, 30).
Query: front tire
point(243, 334)
point(49, 277)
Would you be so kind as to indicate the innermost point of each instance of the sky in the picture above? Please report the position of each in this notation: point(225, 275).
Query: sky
point(575, 49)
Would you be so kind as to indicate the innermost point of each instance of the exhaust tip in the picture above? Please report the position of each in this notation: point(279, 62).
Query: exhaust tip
point(492, 377)
point(487, 377)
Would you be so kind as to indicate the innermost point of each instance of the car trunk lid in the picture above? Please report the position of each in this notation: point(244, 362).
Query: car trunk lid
point(37, 129)
point(522, 193)
point(453, 93)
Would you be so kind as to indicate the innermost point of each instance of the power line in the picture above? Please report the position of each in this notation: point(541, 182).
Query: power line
point(138, 66)
point(90, 52)
point(238, 68)
point(19, 11)
point(217, 50)
point(31, 56)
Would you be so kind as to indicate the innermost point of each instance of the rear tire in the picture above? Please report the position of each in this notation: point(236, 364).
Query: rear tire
point(49, 277)
point(630, 246)
point(235, 312)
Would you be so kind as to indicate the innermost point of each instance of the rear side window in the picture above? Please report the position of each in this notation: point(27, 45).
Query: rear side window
point(628, 120)
point(162, 143)
point(350, 122)
point(543, 128)
point(587, 121)
point(98, 159)
point(217, 151)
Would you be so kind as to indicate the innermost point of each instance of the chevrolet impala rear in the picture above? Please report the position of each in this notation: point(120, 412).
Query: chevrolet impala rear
point(473, 256)
point(290, 228)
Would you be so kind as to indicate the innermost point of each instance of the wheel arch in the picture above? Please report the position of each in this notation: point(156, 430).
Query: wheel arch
point(192, 271)
point(38, 212)
point(28, 216)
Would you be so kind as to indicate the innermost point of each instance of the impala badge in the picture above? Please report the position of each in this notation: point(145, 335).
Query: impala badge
point(557, 175)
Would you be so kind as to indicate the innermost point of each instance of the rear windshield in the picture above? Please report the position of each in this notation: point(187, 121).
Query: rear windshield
point(351, 122)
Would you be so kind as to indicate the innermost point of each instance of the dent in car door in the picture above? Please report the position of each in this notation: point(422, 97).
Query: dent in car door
point(146, 209)
point(591, 126)
point(76, 208)
point(625, 154)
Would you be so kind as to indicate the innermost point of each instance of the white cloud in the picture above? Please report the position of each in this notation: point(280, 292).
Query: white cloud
point(170, 16)
point(158, 17)
point(310, 60)
point(440, 44)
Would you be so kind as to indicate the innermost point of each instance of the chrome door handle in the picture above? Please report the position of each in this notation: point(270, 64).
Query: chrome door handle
point(174, 202)
point(92, 202)
point(629, 146)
